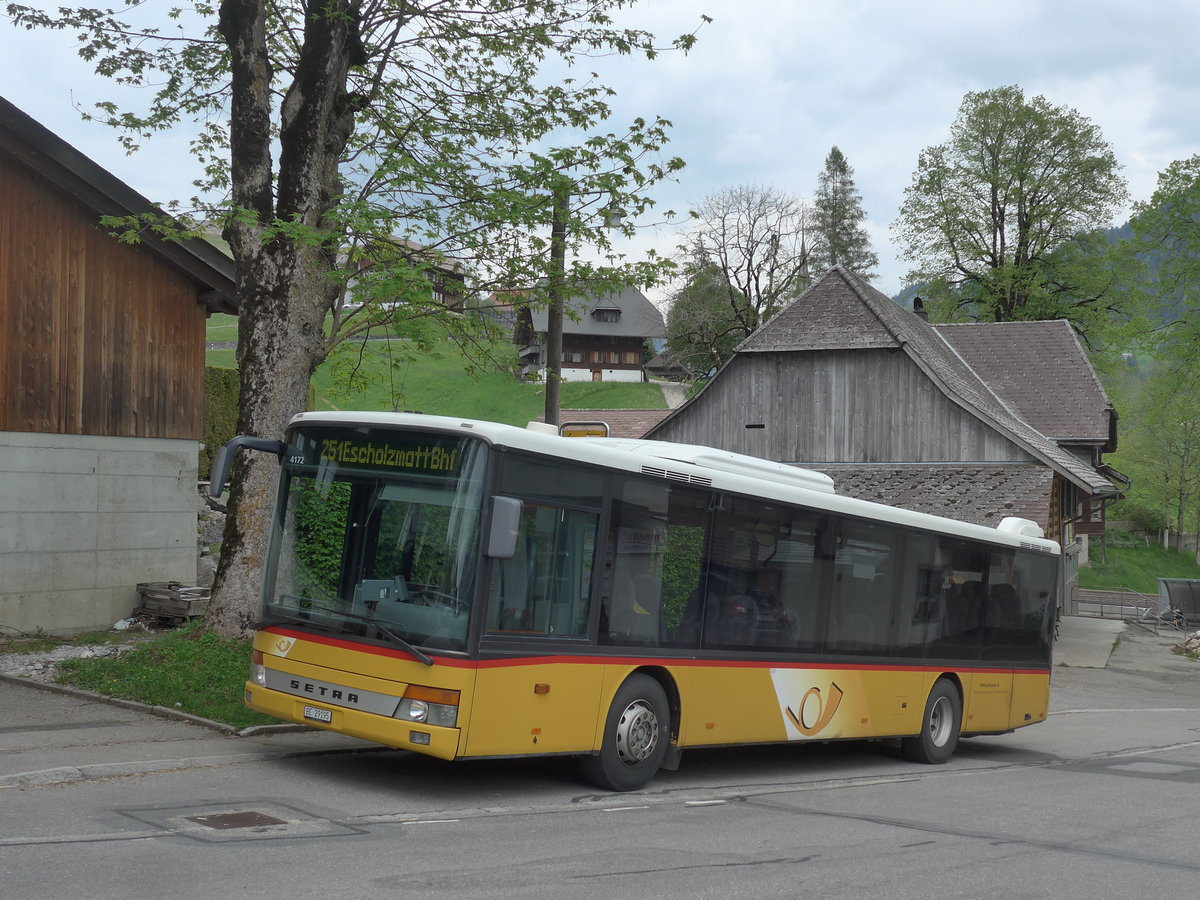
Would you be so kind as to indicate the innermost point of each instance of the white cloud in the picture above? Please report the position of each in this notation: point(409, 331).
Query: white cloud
point(772, 84)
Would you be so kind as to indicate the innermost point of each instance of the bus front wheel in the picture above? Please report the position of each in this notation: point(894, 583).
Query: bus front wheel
point(939, 727)
point(637, 734)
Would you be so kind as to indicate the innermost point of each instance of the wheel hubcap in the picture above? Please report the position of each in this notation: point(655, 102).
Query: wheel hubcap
point(637, 733)
point(939, 722)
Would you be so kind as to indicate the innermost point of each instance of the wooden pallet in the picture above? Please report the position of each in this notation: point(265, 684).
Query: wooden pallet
point(171, 600)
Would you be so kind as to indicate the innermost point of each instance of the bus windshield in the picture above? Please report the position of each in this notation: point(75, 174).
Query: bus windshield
point(378, 535)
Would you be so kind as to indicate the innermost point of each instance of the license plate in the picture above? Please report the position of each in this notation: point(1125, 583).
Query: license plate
point(317, 714)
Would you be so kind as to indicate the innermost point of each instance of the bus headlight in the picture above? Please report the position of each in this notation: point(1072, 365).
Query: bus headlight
point(258, 671)
point(417, 710)
point(430, 706)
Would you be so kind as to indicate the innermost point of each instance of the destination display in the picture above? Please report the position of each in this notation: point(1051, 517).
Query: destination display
point(425, 454)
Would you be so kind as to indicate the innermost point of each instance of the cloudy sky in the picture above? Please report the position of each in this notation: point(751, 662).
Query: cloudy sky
point(773, 84)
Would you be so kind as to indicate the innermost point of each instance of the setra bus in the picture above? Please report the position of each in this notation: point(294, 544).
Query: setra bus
point(466, 589)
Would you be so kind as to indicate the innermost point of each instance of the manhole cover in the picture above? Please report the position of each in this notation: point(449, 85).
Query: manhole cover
point(241, 820)
point(236, 820)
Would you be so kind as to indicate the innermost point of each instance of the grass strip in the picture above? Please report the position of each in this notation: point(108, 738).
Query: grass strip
point(188, 669)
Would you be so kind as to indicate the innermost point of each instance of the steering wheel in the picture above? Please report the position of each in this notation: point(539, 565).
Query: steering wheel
point(433, 597)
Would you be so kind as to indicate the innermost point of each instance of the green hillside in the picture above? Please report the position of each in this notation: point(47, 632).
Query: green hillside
point(1134, 565)
point(361, 377)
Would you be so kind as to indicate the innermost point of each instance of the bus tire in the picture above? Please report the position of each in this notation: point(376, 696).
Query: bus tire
point(940, 726)
point(637, 734)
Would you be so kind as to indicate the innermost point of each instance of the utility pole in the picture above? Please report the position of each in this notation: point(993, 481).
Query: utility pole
point(555, 286)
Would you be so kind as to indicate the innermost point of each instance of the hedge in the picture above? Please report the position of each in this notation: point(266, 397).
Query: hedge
point(220, 413)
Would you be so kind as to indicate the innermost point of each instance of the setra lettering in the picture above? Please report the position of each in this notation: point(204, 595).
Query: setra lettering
point(322, 690)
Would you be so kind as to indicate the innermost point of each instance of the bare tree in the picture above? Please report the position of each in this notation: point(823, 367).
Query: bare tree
point(759, 239)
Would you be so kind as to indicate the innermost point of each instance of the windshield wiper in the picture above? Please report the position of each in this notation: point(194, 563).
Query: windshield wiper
point(366, 620)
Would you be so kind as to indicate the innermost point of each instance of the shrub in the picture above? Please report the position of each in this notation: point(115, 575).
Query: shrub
point(1142, 516)
point(220, 413)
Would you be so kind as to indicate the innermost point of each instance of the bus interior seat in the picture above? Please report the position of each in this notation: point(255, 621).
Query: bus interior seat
point(636, 607)
point(1003, 609)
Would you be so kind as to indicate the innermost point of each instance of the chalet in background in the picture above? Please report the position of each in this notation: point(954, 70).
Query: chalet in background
point(102, 375)
point(974, 422)
point(604, 338)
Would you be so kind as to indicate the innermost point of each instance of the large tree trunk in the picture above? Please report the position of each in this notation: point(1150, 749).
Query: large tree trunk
point(284, 288)
point(279, 345)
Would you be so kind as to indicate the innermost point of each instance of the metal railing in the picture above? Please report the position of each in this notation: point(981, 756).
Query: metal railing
point(1112, 604)
point(1129, 605)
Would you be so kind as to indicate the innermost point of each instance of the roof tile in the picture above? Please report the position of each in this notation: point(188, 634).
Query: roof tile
point(980, 494)
point(1041, 373)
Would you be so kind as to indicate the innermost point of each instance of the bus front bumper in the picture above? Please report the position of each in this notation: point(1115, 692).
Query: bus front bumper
point(431, 740)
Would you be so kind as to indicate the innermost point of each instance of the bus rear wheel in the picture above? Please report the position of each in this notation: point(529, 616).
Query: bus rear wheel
point(939, 727)
point(637, 734)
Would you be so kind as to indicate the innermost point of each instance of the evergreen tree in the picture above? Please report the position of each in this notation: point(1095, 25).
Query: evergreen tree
point(838, 221)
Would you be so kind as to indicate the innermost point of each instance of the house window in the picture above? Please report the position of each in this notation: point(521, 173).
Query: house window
point(606, 315)
point(630, 358)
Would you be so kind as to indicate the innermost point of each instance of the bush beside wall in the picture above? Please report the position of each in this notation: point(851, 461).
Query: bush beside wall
point(220, 413)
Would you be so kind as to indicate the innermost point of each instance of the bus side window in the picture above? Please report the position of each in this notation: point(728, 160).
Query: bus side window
point(655, 546)
point(920, 596)
point(861, 617)
point(964, 595)
point(1020, 610)
point(545, 588)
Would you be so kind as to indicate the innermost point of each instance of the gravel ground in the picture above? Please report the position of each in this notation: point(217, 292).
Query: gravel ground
point(43, 664)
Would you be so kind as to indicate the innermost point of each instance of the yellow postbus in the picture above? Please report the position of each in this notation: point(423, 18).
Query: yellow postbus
point(466, 589)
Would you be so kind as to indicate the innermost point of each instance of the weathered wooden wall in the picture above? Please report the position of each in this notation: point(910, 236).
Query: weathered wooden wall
point(848, 406)
point(96, 337)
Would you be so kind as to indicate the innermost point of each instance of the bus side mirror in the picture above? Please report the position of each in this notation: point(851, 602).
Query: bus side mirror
point(224, 458)
point(506, 522)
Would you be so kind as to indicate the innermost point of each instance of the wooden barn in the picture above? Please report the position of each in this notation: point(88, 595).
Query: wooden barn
point(101, 389)
point(974, 422)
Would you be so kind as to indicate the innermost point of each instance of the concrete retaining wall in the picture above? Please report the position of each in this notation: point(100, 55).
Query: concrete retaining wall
point(84, 519)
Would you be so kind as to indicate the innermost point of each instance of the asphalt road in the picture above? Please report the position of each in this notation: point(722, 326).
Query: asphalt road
point(99, 801)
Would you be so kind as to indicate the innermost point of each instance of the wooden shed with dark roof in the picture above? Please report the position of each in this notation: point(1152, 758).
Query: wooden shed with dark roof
point(845, 381)
point(102, 373)
point(604, 337)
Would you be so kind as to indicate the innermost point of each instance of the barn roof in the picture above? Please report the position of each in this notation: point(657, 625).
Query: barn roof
point(106, 195)
point(842, 312)
point(982, 494)
point(1019, 359)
